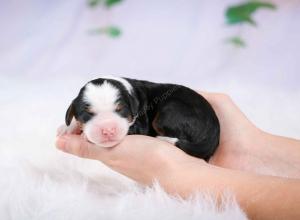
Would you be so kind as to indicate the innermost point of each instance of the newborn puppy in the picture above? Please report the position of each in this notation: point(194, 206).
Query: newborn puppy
point(107, 109)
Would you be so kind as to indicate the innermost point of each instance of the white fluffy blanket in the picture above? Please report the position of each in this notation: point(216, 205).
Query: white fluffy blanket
point(52, 185)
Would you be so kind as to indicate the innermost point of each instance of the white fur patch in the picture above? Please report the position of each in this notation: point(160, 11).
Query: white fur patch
point(101, 97)
point(171, 140)
point(124, 82)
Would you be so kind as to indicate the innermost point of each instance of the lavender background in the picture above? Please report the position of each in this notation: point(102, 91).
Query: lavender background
point(46, 55)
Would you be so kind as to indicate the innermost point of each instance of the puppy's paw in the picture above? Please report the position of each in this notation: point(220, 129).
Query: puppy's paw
point(171, 140)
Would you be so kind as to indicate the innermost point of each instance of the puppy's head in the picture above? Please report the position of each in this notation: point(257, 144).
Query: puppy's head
point(105, 108)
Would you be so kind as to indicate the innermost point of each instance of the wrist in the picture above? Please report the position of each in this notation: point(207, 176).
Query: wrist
point(253, 141)
point(239, 153)
point(278, 156)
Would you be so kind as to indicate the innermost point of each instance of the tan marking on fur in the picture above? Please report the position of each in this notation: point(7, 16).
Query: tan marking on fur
point(159, 131)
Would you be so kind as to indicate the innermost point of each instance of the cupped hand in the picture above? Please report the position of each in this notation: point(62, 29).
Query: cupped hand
point(238, 137)
point(139, 157)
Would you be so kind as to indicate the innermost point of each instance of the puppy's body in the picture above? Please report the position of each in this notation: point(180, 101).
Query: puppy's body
point(177, 112)
point(170, 112)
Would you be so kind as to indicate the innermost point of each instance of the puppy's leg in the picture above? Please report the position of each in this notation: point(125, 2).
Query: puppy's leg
point(178, 124)
point(73, 128)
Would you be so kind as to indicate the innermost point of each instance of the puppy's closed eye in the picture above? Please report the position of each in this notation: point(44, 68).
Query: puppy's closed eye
point(130, 118)
point(88, 110)
point(119, 107)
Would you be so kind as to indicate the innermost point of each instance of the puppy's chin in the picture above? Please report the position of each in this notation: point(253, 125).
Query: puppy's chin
point(108, 143)
point(99, 143)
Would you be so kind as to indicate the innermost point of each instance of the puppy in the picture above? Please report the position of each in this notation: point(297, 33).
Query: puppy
point(109, 108)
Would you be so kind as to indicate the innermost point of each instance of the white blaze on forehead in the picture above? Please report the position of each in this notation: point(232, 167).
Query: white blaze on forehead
point(124, 82)
point(101, 97)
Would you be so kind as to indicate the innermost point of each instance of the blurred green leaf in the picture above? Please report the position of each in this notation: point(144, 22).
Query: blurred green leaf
point(111, 31)
point(110, 3)
point(94, 3)
point(243, 12)
point(237, 41)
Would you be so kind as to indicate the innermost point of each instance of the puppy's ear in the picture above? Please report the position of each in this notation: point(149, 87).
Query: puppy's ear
point(69, 114)
point(134, 104)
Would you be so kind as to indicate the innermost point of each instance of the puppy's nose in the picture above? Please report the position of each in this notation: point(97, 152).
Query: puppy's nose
point(108, 132)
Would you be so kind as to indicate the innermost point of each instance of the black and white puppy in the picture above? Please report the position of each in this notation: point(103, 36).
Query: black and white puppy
point(109, 108)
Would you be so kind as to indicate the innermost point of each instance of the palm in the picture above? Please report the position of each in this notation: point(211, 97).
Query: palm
point(236, 131)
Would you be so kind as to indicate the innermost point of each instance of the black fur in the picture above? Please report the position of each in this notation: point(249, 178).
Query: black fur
point(165, 110)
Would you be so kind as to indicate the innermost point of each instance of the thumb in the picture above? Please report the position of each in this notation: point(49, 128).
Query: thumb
point(78, 146)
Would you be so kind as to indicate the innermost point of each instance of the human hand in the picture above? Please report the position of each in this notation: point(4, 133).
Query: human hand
point(245, 147)
point(239, 137)
point(138, 157)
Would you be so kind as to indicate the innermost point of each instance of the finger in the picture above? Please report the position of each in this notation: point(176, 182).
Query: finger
point(208, 95)
point(202, 92)
point(77, 145)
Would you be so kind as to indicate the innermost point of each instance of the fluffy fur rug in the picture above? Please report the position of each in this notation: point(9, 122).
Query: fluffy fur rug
point(53, 185)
